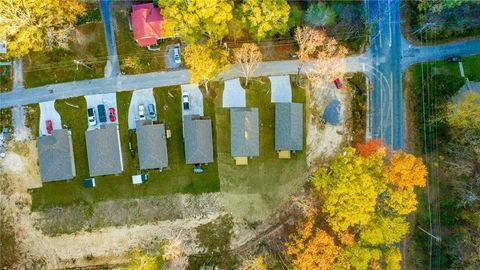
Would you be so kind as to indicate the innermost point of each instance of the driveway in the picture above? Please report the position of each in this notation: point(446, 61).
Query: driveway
point(109, 100)
point(195, 97)
point(233, 94)
point(281, 89)
point(140, 97)
point(169, 57)
point(48, 112)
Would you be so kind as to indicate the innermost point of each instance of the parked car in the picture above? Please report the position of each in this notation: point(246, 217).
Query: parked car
point(92, 120)
point(102, 115)
point(338, 83)
point(49, 126)
point(176, 55)
point(141, 112)
point(186, 101)
point(111, 112)
point(454, 59)
point(151, 111)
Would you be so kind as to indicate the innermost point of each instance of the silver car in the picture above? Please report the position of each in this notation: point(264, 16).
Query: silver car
point(141, 112)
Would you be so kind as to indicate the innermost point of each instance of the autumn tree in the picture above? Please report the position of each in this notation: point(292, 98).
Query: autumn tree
point(265, 18)
point(370, 147)
point(248, 58)
point(141, 261)
point(194, 18)
point(308, 40)
point(384, 230)
point(357, 256)
point(255, 263)
point(465, 112)
point(37, 25)
point(204, 62)
point(392, 259)
point(400, 200)
point(406, 170)
point(235, 29)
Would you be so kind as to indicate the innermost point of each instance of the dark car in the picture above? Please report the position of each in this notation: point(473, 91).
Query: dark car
point(454, 59)
point(102, 115)
point(186, 101)
point(151, 111)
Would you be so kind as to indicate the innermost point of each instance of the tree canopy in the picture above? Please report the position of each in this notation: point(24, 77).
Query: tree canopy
point(320, 15)
point(248, 58)
point(37, 25)
point(265, 18)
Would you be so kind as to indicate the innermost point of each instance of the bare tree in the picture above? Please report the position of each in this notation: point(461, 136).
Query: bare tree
point(308, 40)
point(248, 57)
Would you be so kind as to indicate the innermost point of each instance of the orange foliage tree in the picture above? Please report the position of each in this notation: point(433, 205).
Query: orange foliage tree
point(406, 171)
point(370, 147)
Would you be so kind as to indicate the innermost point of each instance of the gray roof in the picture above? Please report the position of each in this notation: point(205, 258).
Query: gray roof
point(244, 132)
point(55, 155)
point(103, 149)
point(198, 140)
point(152, 145)
point(289, 126)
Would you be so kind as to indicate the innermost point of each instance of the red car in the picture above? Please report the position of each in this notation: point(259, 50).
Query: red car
point(338, 83)
point(49, 126)
point(112, 114)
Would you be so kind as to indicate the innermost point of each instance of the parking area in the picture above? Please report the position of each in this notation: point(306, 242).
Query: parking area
point(109, 102)
point(192, 100)
point(233, 94)
point(48, 113)
point(281, 89)
point(170, 61)
point(145, 99)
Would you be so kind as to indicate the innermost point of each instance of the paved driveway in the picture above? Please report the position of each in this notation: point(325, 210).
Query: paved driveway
point(169, 57)
point(140, 97)
point(195, 100)
point(48, 112)
point(109, 100)
point(281, 89)
point(233, 94)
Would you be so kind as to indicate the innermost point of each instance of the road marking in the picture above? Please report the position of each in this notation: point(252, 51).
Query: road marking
point(391, 109)
point(381, 108)
point(389, 25)
point(462, 72)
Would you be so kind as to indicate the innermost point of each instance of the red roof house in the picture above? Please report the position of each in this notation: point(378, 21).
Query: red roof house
point(147, 24)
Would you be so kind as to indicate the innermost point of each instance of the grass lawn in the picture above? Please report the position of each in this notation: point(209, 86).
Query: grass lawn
point(87, 46)
point(178, 178)
point(6, 83)
point(470, 66)
point(266, 175)
point(32, 117)
point(6, 118)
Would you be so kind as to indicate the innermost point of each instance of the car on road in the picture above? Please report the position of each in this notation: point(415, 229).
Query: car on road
point(186, 101)
point(102, 115)
point(112, 115)
point(141, 112)
point(92, 120)
point(151, 111)
point(338, 83)
point(49, 126)
point(176, 55)
point(454, 59)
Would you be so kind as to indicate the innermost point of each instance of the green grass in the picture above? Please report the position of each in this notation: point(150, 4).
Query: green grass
point(87, 46)
point(177, 178)
point(32, 117)
point(6, 118)
point(6, 83)
point(471, 66)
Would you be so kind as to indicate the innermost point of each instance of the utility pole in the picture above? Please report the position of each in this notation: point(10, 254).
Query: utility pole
point(437, 238)
point(78, 62)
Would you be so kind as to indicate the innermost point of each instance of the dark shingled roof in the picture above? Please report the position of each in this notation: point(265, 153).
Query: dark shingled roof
point(198, 139)
point(152, 145)
point(289, 126)
point(103, 149)
point(244, 132)
point(55, 155)
point(332, 112)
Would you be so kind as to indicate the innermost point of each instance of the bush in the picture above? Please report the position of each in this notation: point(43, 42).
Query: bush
point(320, 15)
point(92, 15)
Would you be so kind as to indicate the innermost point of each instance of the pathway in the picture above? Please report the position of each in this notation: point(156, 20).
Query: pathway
point(21, 132)
point(112, 68)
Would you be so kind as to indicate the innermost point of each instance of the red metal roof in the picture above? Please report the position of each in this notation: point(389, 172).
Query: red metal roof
point(147, 24)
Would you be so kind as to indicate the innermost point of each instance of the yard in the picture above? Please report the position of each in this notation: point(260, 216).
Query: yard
point(6, 83)
point(470, 66)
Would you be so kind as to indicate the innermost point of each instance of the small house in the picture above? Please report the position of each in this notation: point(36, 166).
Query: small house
point(288, 128)
point(55, 155)
point(147, 24)
point(198, 139)
point(244, 134)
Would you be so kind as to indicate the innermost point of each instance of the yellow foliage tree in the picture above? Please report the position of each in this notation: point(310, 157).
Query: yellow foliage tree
point(140, 261)
point(466, 112)
point(392, 258)
point(402, 201)
point(256, 263)
point(248, 59)
point(384, 230)
point(358, 257)
point(265, 18)
point(406, 170)
point(350, 188)
point(204, 62)
point(193, 18)
point(37, 25)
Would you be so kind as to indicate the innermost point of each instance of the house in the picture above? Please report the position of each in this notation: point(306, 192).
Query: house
point(198, 139)
point(152, 145)
point(244, 139)
point(55, 155)
point(103, 150)
point(148, 24)
point(288, 128)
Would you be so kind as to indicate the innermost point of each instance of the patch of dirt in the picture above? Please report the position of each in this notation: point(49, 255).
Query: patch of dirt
point(22, 160)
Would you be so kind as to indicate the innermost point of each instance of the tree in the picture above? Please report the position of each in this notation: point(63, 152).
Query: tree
point(256, 263)
point(235, 29)
point(350, 188)
point(370, 147)
point(392, 258)
point(132, 64)
point(248, 58)
point(308, 40)
point(194, 18)
point(320, 15)
point(265, 18)
point(438, 6)
point(465, 113)
point(37, 25)
point(383, 230)
point(204, 62)
point(406, 170)
point(140, 261)
point(295, 17)
point(400, 200)
point(358, 257)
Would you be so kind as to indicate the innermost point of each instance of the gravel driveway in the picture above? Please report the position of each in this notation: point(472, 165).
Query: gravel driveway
point(142, 96)
point(48, 112)
point(281, 89)
point(234, 94)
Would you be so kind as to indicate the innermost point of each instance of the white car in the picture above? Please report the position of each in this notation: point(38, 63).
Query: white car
point(141, 112)
point(176, 55)
point(92, 120)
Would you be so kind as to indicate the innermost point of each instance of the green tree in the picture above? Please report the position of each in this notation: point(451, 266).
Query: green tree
point(320, 15)
point(37, 25)
point(438, 6)
point(265, 18)
point(235, 29)
point(194, 18)
point(295, 17)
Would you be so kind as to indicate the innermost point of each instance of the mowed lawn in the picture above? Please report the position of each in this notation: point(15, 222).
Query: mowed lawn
point(87, 46)
point(273, 179)
point(471, 66)
point(178, 178)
